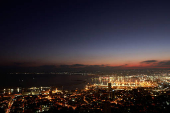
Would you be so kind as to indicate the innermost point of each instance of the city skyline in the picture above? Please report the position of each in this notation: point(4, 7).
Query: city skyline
point(85, 34)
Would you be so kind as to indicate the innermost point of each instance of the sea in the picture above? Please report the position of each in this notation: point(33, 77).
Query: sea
point(64, 81)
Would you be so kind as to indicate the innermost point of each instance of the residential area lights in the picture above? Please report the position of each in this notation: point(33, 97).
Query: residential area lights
point(109, 94)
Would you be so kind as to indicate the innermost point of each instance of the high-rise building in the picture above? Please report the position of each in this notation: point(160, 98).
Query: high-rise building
point(109, 86)
point(50, 93)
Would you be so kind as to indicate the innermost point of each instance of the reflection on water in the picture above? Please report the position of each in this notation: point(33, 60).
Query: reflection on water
point(11, 82)
point(14, 83)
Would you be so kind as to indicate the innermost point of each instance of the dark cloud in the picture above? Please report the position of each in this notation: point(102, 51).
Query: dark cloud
point(125, 65)
point(80, 66)
point(47, 66)
point(149, 61)
point(121, 66)
point(94, 65)
point(64, 66)
point(72, 66)
point(164, 63)
point(157, 64)
point(77, 65)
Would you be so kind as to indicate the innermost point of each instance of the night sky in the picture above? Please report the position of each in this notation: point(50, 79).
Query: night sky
point(84, 33)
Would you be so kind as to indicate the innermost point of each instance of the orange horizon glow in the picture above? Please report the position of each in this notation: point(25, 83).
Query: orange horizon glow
point(119, 65)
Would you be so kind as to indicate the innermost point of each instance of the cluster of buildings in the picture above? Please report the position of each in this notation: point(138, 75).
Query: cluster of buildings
point(119, 94)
